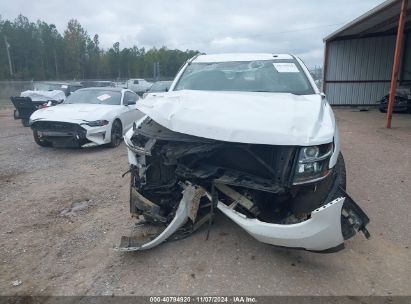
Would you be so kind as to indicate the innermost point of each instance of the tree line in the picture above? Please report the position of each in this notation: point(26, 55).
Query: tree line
point(37, 51)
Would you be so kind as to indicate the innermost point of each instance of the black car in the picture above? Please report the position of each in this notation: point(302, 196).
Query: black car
point(25, 106)
point(157, 87)
point(402, 101)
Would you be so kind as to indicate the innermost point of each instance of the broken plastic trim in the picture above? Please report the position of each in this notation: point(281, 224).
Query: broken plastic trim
point(180, 218)
point(321, 231)
point(146, 150)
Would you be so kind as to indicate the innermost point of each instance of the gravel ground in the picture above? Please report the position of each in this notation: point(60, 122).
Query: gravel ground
point(62, 210)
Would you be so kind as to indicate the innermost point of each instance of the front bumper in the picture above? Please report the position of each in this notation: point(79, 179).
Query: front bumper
point(324, 230)
point(98, 135)
point(67, 134)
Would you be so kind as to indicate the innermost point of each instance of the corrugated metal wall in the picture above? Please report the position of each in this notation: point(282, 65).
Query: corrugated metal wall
point(358, 62)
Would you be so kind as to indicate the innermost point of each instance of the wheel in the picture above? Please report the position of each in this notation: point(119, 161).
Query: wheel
point(41, 142)
point(383, 110)
point(16, 114)
point(116, 134)
point(25, 122)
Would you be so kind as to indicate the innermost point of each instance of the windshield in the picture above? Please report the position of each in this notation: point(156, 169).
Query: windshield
point(251, 76)
point(161, 86)
point(95, 97)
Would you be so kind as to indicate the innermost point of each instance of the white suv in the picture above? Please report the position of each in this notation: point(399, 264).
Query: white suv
point(251, 135)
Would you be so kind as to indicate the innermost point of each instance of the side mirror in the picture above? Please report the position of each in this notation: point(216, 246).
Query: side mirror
point(129, 103)
point(322, 95)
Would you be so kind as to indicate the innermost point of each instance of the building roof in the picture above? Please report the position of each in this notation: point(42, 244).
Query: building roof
point(240, 57)
point(381, 19)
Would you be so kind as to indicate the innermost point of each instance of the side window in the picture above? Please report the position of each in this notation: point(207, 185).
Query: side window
point(135, 82)
point(130, 98)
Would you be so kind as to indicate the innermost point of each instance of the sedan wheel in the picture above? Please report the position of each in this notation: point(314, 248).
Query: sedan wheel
point(39, 141)
point(116, 134)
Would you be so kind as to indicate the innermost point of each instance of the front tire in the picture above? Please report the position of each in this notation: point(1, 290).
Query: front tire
point(41, 142)
point(116, 134)
point(340, 167)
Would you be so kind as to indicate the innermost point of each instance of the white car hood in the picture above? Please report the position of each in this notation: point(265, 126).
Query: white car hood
point(246, 117)
point(74, 112)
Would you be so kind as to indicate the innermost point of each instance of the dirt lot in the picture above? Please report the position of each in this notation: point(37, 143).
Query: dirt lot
point(62, 211)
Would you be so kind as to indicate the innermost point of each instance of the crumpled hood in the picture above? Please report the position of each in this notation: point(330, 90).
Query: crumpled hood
point(73, 112)
point(246, 117)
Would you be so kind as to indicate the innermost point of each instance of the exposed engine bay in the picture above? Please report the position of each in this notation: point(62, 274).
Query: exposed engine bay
point(178, 181)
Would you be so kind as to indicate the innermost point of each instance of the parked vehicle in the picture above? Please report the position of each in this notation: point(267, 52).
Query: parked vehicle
point(97, 83)
point(66, 87)
point(158, 87)
point(88, 117)
point(250, 135)
point(402, 100)
point(30, 101)
point(138, 85)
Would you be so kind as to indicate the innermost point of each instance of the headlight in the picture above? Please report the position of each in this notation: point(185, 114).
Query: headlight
point(97, 123)
point(312, 164)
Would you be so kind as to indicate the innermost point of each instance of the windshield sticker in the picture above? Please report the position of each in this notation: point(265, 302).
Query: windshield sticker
point(103, 97)
point(64, 86)
point(285, 67)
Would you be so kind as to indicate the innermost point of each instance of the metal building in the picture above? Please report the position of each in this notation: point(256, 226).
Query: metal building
point(358, 58)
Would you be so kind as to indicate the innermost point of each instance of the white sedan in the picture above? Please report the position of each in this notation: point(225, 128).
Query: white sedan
point(88, 117)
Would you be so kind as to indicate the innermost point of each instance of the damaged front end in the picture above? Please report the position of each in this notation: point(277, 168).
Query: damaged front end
point(281, 195)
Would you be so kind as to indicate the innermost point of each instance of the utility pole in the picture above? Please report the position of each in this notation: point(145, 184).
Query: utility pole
point(156, 70)
point(396, 63)
point(8, 55)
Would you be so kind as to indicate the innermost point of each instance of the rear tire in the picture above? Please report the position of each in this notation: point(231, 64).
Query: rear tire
point(116, 134)
point(41, 142)
point(25, 122)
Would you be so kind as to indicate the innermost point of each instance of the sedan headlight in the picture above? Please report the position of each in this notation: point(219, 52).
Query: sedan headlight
point(97, 123)
point(312, 164)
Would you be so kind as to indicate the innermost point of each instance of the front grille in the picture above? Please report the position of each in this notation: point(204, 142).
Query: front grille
point(57, 126)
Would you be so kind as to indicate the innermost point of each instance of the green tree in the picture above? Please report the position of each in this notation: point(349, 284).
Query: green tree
point(75, 41)
point(39, 52)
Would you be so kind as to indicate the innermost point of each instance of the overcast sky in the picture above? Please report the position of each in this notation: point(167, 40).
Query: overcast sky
point(293, 26)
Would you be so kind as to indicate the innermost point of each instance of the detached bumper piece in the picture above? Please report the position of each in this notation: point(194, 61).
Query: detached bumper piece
point(187, 208)
point(62, 134)
point(320, 232)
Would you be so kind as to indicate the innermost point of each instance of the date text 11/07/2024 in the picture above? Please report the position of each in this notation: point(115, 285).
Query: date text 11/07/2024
point(203, 299)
